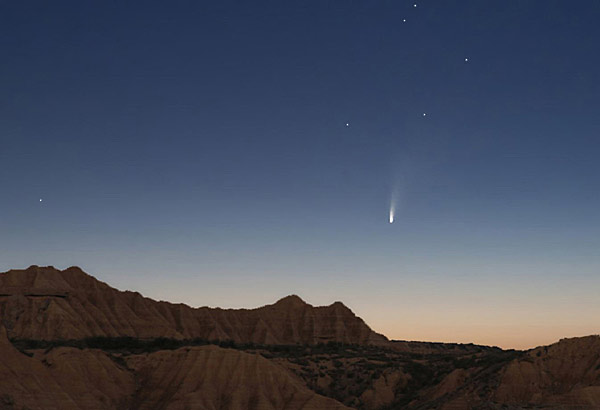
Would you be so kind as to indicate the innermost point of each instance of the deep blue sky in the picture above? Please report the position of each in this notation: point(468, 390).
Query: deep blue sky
point(198, 152)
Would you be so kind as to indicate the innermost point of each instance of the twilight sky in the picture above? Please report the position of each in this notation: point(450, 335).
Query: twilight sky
point(230, 153)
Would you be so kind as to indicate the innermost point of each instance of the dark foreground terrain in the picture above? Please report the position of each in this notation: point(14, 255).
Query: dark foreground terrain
point(69, 341)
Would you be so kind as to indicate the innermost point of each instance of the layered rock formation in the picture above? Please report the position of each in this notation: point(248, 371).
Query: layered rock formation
point(135, 360)
point(64, 378)
point(47, 304)
point(206, 377)
point(566, 373)
point(210, 377)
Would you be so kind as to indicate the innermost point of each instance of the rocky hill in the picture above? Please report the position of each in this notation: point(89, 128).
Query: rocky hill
point(566, 373)
point(48, 304)
point(205, 377)
point(69, 341)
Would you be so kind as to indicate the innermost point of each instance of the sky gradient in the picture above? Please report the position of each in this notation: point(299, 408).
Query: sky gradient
point(231, 153)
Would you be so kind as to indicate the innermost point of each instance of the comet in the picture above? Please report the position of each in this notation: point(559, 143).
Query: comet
point(395, 202)
point(395, 192)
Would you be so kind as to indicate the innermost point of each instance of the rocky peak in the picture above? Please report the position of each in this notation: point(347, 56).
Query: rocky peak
point(47, 303)
point(291, 301)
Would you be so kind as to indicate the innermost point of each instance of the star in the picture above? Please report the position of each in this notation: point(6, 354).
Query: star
point(40, 199)
point(424, 114)
point(404, 20)
point(347, 124)
point(415, 5)
point(466, 60)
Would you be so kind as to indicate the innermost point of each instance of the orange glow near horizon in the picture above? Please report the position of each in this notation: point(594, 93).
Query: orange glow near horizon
point(508, 312)
point(507, 330)
point(519, 337)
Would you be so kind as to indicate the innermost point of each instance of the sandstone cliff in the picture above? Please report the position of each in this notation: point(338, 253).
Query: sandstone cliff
point(210, 377)
point(158, 355)
point(566, 373)
point(206, 377)
point(45, 303)
point(64, 378)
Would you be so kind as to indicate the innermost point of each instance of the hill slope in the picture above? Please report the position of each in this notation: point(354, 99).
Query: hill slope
point(206, 377)
point(145, 354)
point(44, 303)
point(564, 375)
point(210, 377)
